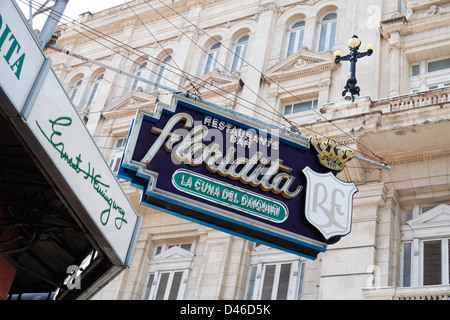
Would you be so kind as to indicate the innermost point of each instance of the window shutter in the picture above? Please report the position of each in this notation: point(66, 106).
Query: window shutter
point(448, 265)
point(162, 286)
point(432, 265)
point(173, 294)
point(268, 282)
point(251, 283)
point(283, 282)
point(407, 264)
point(149, 286)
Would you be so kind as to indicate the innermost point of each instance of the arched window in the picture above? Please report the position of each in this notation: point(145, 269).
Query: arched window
point(327, 32)
point(295, 36)
point(75, 89)
point(94, 90)
point(213, 55)
point(139, 73)
point(240, 50)
point(162, 73)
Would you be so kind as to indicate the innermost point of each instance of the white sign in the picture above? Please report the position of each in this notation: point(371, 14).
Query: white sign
point(329, 203)
point(63, 135)
point(21, 58)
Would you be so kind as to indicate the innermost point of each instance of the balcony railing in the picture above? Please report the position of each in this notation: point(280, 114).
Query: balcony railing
point(413, 100)
point(441, 292)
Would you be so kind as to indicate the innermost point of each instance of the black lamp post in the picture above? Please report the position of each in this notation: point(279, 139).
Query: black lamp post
point(351, 89)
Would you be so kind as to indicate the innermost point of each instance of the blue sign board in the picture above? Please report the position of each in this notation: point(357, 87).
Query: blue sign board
point(233, 173)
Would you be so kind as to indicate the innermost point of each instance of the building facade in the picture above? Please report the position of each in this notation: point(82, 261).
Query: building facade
point(273, 60)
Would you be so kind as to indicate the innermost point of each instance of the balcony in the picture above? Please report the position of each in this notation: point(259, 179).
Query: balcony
point(409, 293)
point(434, 97)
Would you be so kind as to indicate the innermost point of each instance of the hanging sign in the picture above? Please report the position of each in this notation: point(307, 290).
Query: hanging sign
point(236, 174)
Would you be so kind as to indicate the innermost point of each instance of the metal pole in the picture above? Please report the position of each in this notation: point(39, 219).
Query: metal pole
point(378, 164)
point(52, 22)
point(86, 59)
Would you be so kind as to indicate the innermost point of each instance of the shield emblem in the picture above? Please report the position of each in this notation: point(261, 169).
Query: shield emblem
point(329, 203)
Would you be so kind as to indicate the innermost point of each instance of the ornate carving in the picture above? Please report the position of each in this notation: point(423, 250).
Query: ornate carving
point(433, 10)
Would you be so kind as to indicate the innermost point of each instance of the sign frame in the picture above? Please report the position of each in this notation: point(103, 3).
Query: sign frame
point(208, 213)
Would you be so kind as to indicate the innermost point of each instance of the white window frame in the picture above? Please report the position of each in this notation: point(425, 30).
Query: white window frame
point(161, 77)
point(75, 89)
point(212, 57)
point(420, 229)
point(140, 73)
point(239, 53)
point(169, 258)
point(117, 153)
point(429, 80)
point(94, 90)
point(299, 34)
point(262, 257)
point(329, 42)
point(314, 105)
point(157, 276)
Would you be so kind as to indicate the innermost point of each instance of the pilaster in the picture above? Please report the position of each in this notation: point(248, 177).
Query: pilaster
point(350, 264)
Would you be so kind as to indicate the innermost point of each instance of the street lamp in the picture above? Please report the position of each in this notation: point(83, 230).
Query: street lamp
point(351, 89)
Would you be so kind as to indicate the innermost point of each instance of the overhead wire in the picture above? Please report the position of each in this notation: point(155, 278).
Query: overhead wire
point(201, 48)
point(292, 123)
point(162, 47)
point(265, 77)
point(277, 113)
point(101, 35)
point(91, 30)
point(124, 46)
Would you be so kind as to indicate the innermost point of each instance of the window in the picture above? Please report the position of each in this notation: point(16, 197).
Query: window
point(401, 6)
point(75, 89)
point(117, 154)
point(415, 70)
point(327, 29)
point(240, 50)
point(168, 285)
point(139, 73)
point(169, 272)
point(94, 90)
point(300, 107)
point(432, 262)
point(430, 74)
point(274, 275)
point(439, 65)
point(213, 55)
point(296, 34)
point(426, 247)
point(162, 73)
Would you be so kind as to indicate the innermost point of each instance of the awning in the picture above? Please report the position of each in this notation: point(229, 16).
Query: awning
point(59, 201)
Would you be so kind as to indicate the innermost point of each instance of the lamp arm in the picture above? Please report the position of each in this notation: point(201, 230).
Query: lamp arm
point(343, 58)
point(363, 54)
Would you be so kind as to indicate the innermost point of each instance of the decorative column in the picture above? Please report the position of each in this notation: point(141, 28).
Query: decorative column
point(394, 66)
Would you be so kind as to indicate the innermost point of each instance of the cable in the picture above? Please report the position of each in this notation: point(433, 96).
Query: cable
point(103, 36)
point(265, 77)
point(86, 28)
point(145, 26)
point(91, 30)
point(277, 113)
point(194, 42)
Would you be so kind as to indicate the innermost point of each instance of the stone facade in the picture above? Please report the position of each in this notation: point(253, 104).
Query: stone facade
point(399, 245)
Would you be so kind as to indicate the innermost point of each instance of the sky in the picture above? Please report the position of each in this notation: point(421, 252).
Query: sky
point(73, 9)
